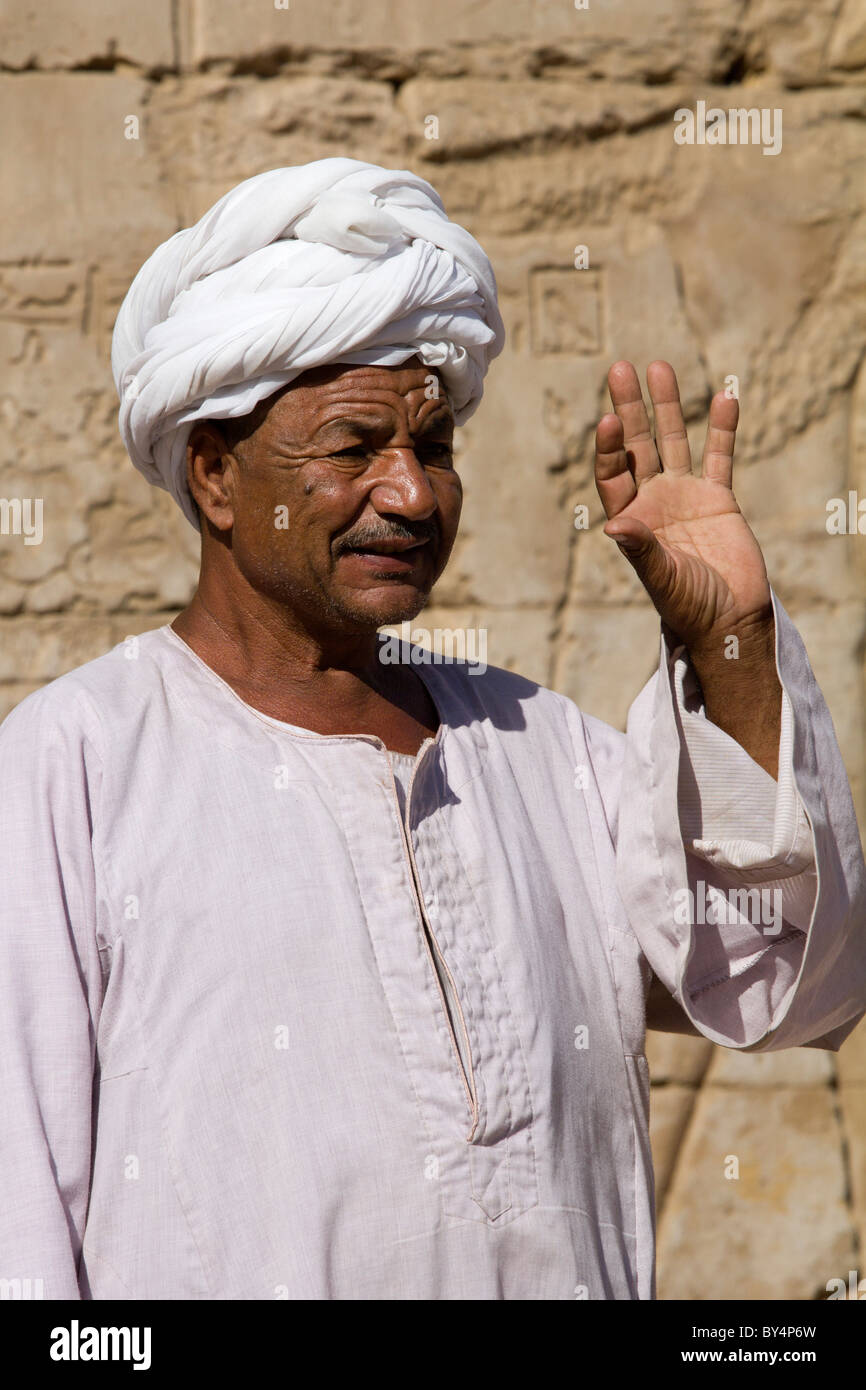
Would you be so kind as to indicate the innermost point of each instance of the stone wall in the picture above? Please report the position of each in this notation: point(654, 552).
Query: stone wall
point(544, 126)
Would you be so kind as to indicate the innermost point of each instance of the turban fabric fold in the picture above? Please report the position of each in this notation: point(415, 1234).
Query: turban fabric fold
point(333, 261)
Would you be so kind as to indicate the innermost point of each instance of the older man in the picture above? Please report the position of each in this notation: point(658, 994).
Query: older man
point(326, 977)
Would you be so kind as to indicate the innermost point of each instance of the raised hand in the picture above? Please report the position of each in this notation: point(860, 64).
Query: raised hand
point(692, 548)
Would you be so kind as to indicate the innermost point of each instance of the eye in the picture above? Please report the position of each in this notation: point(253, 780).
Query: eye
point(357, 451)
point(436, 449)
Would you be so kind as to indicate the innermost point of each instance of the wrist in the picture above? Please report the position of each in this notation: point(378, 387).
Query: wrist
point(741, 652)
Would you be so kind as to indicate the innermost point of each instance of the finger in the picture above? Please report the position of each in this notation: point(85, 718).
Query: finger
point(613, 479)
point(625, 394)
point(671, 438)
point(718, 460)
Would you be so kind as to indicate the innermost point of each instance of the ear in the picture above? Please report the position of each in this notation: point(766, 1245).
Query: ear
point(210, 473)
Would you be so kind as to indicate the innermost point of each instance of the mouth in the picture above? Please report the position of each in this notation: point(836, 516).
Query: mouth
point(388, 557)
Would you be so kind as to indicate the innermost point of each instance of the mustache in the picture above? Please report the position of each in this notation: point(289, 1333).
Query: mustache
point(417, 532)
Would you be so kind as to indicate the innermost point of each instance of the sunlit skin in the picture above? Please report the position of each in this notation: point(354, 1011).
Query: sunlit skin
point(693, 550)
point(360, 456)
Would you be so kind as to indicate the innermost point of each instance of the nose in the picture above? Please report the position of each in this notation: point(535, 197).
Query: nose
point(400, 484)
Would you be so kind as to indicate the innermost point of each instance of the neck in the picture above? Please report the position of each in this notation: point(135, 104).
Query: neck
point(332, 684)
point(265, 642)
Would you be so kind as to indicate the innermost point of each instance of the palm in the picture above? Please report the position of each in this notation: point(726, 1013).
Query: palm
point(697, 557)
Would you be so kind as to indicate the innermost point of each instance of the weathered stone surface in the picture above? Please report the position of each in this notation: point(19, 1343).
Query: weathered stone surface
point(851, 1058)
point(53, 647)
point(209, 133)
point(852, 1102)
point(606, 655)
point(519, 639)
point(782, 1228)
point(677, 1057)
point(52, 34)
point(792, 40)
point(795, 1066)
point(618, 39)
point(848, 41)
point(78, 189)
point(670, 1109)
point(480, 116)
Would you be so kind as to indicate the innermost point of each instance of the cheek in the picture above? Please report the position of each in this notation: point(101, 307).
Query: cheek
point(321, 505)
point(449, 497)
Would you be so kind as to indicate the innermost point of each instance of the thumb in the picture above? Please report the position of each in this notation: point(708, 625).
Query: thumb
point(645, 554)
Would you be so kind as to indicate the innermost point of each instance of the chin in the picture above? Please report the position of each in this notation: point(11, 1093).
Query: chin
point(386, 608)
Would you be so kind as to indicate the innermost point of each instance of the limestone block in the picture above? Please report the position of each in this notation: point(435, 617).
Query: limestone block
point(851, 1057)
point(52, 34)
point(745, 266)
point(606, 656)
point(781, 1229)
point(848, 42)
point(145, 556)
point(677, 1057)
point(795, 1066)
point(38, 650)
point(211, 133)
point(805, 567)
point(477, 117)
point(53, 594)
point(786, 492)
point(518, 640)
point(109, 540)
point(12, 597)
point(670, 1108)
point(852, 1101)
point(521, 640)
point(73, 186)
point(514, 537)
point(792, 38)
point(47, 507)
point(602, 574)
point(48, 647)
point(857, 472)
point(646, 42)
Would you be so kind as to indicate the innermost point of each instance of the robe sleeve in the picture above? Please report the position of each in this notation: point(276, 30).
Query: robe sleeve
point(51, 983)
point(747, 895)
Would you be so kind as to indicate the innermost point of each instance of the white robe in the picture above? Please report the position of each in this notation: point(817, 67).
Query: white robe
point(255, 1044)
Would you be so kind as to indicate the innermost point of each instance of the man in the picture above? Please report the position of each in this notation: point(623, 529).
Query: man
point(326, 977)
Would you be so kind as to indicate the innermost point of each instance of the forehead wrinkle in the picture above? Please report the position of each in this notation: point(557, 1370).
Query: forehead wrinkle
point(376, 416)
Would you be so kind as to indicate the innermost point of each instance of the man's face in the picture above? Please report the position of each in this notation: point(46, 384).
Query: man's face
point(355, 462)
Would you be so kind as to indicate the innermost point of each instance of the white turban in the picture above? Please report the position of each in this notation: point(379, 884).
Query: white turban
point(333, 261)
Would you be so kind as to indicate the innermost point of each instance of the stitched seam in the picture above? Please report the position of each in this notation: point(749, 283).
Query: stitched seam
point(742, 967)
point(431, 1141)
point(515, 1031)
point(462, 989)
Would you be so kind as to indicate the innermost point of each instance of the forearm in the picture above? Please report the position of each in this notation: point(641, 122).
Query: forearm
point(742, 693)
